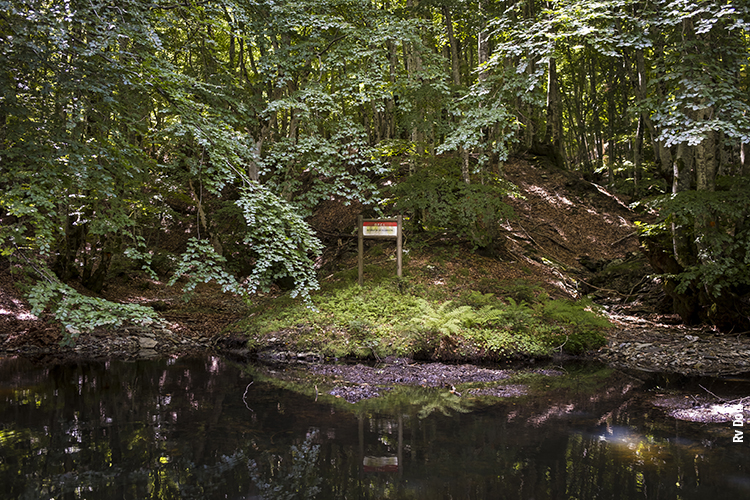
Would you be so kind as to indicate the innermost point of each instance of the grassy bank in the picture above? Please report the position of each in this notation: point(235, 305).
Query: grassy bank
point(433, 312)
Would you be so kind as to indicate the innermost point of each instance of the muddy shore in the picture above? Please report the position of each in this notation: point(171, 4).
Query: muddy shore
point(635, 344)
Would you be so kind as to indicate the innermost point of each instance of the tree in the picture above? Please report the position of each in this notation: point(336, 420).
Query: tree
point(101, 127)
point(674, 69)
point(235, 120)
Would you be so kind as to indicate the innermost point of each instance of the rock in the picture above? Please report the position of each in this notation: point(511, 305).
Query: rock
point(147, 343)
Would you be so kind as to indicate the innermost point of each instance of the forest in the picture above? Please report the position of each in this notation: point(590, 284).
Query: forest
point(238, 118)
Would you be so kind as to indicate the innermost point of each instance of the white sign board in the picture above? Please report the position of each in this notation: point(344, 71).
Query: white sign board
point(380, 228)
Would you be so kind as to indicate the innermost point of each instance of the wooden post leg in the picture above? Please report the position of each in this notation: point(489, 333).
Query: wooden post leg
point(398, 247)
point(360, 246)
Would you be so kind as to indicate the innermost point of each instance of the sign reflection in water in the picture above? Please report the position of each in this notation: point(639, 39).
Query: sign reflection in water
point(179, 428)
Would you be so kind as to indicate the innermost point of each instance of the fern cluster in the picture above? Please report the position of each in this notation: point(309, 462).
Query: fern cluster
point(508, 327)
point(382, 319)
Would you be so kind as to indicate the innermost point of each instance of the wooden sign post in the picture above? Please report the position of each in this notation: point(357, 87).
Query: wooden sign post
point(382, 229)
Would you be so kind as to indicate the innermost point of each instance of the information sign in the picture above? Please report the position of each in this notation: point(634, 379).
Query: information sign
point(379, 228)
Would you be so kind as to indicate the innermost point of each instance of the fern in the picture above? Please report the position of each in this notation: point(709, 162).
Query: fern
point(574, 313)
point(445, 320)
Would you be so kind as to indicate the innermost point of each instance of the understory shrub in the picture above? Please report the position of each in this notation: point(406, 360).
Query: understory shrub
point(79, 313)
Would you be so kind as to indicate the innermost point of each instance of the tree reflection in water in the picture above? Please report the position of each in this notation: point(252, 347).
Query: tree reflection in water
point(196, 428)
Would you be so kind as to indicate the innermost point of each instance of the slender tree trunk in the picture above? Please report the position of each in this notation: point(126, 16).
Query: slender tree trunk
point(465, 164)
point(637, 151)
point(664, 153)
point(390, 104)
point(682, 180)
point(706, 161)
point(611, 152)
point(595, 118)
point(483, 43)
point(554, 131)
point(455, 62)
point(413, 61)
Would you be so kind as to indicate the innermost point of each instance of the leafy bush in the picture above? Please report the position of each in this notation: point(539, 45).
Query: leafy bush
point(700, 246)
point(79, 313)
point(201, 264)
point(717, 222)
point(439, 199)
point(505, 343)
point(281, 241)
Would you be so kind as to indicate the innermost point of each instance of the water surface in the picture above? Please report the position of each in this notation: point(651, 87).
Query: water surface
point(207, 427)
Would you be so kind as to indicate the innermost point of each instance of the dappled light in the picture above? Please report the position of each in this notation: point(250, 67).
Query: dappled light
point(11, 305)
point(554, 199)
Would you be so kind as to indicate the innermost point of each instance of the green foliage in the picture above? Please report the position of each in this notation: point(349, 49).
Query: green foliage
point(717, 222)
point(444, 319)
point(107, 124)
point(384, 317)
point(582, 314)
point(139, 253)
point(505, 343)
point(439, 199)
point(477, 299)
point(282, 242)
point(583, 325)
point(313, 169)
point(201, 264)
point(79, 313)
point(522, 291)
point(476, 114)
point(701, 74)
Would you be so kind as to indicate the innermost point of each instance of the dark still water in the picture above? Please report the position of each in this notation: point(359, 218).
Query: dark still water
point(197, 428)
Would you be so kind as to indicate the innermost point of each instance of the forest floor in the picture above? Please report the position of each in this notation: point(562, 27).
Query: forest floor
point(570, 237)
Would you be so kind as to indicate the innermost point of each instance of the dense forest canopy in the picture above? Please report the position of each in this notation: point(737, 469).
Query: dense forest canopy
point(117, 118)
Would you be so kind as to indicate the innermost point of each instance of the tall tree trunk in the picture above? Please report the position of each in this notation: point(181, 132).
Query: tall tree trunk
point(554, 131)
point(483, 43)
point(637, 151)
point(682, 180)
point(455, 63)
point(664, 155)
point(596, 119)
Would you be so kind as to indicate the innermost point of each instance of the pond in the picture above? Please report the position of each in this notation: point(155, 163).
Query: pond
point(213, 427)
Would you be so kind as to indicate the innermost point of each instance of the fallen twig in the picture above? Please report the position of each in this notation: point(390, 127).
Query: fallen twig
point(711, 393)
point(530, 237)
point(598, 288)
point(244, 397)
point(633, 289)
point(623, 238)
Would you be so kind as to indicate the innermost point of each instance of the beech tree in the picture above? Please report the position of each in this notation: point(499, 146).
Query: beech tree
point(237, 118)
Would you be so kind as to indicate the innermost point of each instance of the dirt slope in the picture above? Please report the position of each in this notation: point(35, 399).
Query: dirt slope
point(567, 218)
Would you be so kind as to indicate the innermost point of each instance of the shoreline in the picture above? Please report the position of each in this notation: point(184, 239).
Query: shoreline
point(641, 346)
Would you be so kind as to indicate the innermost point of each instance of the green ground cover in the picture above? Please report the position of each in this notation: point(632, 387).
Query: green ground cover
point(412, 316)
